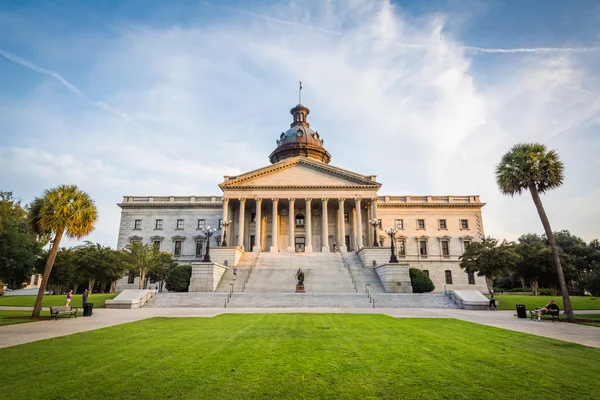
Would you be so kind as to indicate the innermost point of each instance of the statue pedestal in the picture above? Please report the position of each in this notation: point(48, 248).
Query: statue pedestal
point(299, 288)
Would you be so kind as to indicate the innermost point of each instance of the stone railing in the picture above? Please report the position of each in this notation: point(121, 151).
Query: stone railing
point(473, 199)
point(171, 199)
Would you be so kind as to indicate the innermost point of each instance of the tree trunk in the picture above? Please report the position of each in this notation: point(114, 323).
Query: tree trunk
point(522, 282)
point(91, 284)
point(142, 279)
point(534, 287)
point(550, 235)
point(47, 269)
point(75, 287)
point(113, 286)
point(489, 281)
point(102, 286)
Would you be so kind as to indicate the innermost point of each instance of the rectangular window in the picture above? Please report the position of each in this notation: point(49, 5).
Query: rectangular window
point(220, 223)
point(466, 244)
point(426, 272)
point(201, 224)
point(471, 278)
point(135, 241)
point(464, 224)
point(443, 224)
point(401, 247)
point(253, 217)
point(346, 217)
point(379, 225)
point(199, 245)
point(156, 244)
point(130, 279)
point(137, 224)
point(399, 224)
point(445, 248)
point(218, 240)
point(177, 252)
point(420, 224)
point(448, 274)
point(158, 224)
point(179, 224)
point(423, 247)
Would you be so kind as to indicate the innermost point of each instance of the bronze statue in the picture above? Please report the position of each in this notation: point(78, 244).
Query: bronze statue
point(300, 277)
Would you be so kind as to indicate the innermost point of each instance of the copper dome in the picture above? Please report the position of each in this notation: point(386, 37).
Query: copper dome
point(300, 140)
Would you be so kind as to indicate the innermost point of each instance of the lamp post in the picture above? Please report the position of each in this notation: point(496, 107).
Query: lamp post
point(374, 223)
point(392, 234)
point(225, 225)
point(208, 232)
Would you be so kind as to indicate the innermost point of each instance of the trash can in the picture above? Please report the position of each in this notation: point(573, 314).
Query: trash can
point(521, 311)
point(87, 309)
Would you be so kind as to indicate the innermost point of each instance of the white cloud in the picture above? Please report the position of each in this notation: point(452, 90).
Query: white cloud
point(389, 94)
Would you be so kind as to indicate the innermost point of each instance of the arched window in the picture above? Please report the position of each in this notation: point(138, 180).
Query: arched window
point(299, 220)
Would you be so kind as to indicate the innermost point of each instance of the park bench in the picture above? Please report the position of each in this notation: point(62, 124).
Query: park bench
point(55, 311)
point(554, 314)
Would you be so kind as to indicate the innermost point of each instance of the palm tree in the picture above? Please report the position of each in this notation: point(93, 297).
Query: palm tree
point(63, 209)
point(530, 166)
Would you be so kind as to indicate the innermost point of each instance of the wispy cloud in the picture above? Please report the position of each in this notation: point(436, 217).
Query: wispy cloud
point(72, 88)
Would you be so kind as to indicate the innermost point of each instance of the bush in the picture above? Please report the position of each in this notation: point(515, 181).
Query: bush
point(592, 282)
point(519, 289)
point(420, 281)
point(178, 279)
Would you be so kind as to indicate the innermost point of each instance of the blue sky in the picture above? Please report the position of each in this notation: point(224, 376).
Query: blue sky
point(156, 98)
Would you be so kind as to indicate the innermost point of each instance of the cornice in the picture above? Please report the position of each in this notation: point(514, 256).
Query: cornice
point(288, 187)
point(170, 205)
point(457, 205)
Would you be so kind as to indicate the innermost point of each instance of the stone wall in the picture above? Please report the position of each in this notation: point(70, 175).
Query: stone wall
point(395, 278)
point(206, 276)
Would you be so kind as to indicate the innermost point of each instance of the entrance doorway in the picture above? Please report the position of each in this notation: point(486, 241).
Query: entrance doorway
point(252, 243)
point(347, 242)
point(299, 244)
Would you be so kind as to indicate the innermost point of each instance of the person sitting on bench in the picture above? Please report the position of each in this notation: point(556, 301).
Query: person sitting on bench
point(551, 308)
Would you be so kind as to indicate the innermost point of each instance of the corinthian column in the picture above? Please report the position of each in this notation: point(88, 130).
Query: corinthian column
point(241, 223)
point(258, 226)
point(274, 237)
point(359, 241)
point(325, 234)
point(342, 244)
point(292, 225)
point(308, 246)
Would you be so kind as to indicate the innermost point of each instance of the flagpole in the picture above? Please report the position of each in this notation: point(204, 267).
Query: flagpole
point(299, 92)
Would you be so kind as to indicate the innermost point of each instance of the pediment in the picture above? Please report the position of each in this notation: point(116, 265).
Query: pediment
point(299, 173)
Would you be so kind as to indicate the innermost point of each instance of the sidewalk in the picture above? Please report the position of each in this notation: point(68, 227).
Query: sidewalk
point(13, 335)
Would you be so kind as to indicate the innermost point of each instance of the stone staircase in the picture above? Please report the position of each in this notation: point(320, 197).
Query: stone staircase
point(362, 275)
point(413, 300)
point(195, 300)
point(323, 272)
point(243, 268)
point(299, 300)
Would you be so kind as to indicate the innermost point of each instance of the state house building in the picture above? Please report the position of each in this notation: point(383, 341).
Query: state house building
point(302, 203)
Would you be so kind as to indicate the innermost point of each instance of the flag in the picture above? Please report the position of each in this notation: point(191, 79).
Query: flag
point(300, 84)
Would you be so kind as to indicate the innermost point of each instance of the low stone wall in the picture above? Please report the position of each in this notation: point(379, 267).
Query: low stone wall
point(130, 298)
point(381, 255)
point(206, 276)
point(470, 299)
point(230, 254)
point(395, 278)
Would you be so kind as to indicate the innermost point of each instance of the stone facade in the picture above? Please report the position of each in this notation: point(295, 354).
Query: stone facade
point(301, 203)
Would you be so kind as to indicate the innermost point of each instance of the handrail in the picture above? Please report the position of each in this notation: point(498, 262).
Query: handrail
point(349, 271)
point(252, 265)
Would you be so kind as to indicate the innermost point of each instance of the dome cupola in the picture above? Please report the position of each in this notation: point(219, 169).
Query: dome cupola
point(300, 140)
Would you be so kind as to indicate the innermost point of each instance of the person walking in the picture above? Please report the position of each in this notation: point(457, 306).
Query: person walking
point(84, 297)
point(234, 273)
point(69, 297)
point(492, 302)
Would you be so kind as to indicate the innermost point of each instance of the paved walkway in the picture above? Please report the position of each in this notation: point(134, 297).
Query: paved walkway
point(13, 335)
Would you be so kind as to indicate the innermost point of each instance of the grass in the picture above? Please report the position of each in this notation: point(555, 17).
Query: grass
point(509, 301)
point(582, 319)
point(9, 317)
point(301, 356)
point(56, 300)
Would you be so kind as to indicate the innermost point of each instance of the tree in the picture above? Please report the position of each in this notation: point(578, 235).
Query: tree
point(165, 264)
point(179, 277)
point(19, 246)
point(535, 260)
point(530, 166)
point(61, 210)
point(141, 258)
point(420, 281)
point(489, 259)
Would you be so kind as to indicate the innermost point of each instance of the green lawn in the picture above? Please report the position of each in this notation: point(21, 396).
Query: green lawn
point(591, 319)
point(300, 356)
point(19, 317)
point(57, 300)
point(509, 301)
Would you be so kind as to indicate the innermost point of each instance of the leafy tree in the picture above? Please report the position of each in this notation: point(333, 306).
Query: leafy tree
point(530, 166)
point(489, 259)
point(165, 264)
point(19, 246)
point(535, 259)
point(420, 281)
point(178, 279)
point(64, 271)
point(141, 258)
point(592, 282)
point(61, 210)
